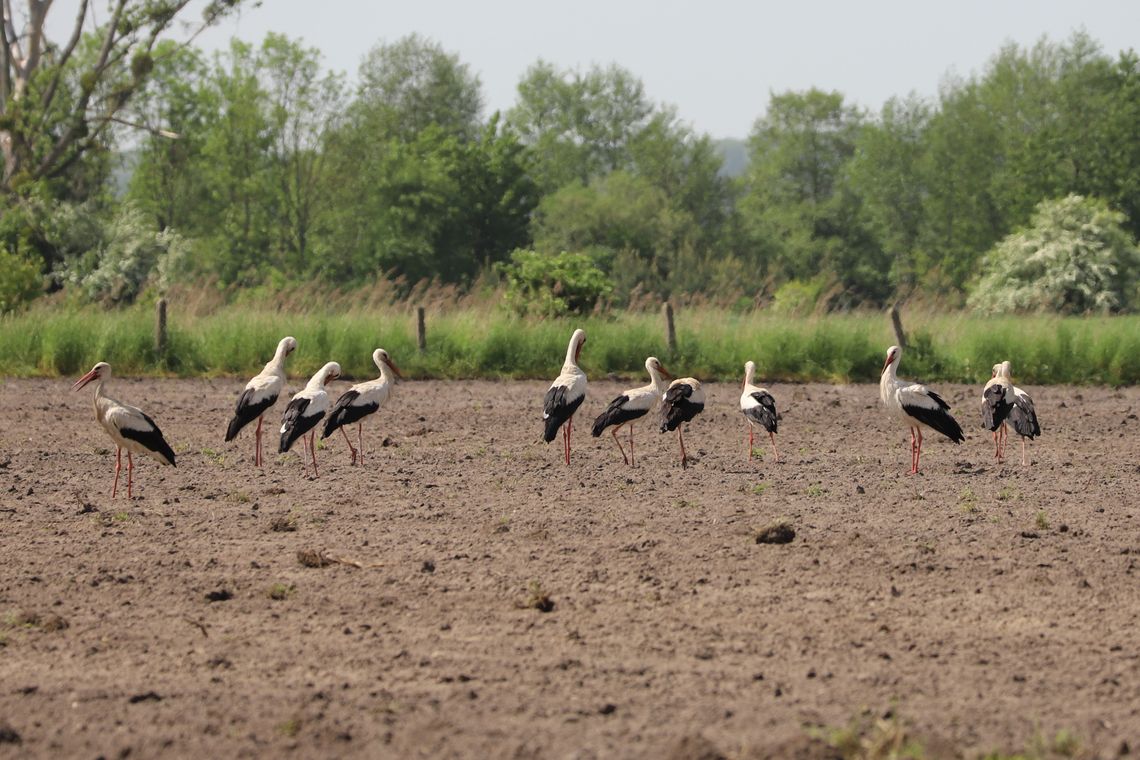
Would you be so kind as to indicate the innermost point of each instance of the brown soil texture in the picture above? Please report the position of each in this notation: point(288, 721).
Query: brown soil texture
point(986, 605)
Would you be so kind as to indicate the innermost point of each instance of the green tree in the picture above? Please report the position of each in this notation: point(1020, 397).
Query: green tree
point(1075, 256)
point(58, 101)
point(412, 84)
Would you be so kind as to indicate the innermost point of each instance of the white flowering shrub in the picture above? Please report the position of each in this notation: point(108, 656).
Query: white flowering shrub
point(128, 255)
point(1074, 257)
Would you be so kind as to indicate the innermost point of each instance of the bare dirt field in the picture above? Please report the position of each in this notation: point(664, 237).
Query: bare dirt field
point(987, 606)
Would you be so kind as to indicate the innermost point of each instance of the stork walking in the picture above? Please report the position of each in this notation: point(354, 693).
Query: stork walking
point(683, 400)
point(1020, 412)
point(260, 394)
point(305, 410)
point(361, 400)
point(565, 395)
point(916, 407)
point(759, 408)
point(632, 405)
point(129, 427)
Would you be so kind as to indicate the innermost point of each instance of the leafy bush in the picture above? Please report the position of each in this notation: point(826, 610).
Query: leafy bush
point(549, 285)
point(1074, 257)
point(127, 255)
point(20, 281)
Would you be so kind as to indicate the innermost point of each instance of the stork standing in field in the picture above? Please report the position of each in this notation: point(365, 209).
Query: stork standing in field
point(916, 407)
point(361, 400)
point(997, 396)
point(683, 400)
point(632, 405)
point(129, 427)
point(306, 409)
point(565, 395)
point(1020, 412)
point(759, 408)
point(260, 394)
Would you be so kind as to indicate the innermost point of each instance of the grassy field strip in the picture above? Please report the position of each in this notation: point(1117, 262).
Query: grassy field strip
point(711, 344)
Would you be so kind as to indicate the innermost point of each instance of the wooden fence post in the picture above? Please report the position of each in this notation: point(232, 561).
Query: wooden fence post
point(670, 330)
point(896, 322)
point(160, 327)
point(421, 330)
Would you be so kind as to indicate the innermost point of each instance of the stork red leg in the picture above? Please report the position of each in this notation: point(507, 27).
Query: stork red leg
point(750, 440)
point(313, 448)
point(775, 452)
point(130, 474)
point(614, 432)
point(118, 466)
point(918, 456)
point(257, 452)
point(1024, 461)
point(632, 461)
point(349, 442)
point(684, 456)
point(360, 441)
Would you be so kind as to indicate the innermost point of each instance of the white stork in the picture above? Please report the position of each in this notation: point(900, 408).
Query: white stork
point(306, 409)
point(1020, 413)
point(632, 405)
point(997, 397)
point(759, 408)
point(565, 395)
point(129, 427)
point(683, 400)
point(916, 407)
point(361, 400)
point(260, 394)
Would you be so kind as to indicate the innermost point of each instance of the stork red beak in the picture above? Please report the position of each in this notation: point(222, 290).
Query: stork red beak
point(664, 372)
point(887, 363)
point(394, 368)
point(84, 380)
point(578, 350)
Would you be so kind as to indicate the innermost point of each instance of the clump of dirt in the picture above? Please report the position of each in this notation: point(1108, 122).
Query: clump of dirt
point(313, 558)
point(43, 621)
point(221, 595)
point(283, 523)
point(9, 735)
point(537, 598)
point(780, 532)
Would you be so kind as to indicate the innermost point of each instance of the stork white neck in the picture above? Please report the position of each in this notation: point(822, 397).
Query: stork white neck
point(276, 365)
point(572, 350)
point(749, 372)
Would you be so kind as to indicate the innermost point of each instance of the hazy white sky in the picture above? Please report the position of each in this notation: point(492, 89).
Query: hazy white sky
point(715, 60)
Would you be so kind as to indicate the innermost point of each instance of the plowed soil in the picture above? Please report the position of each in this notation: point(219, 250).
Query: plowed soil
point(482, 599)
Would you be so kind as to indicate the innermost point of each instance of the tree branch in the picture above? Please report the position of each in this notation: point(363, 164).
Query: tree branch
point(76, 35)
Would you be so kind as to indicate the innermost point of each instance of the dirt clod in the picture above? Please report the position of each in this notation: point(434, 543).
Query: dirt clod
point(221, 595)
point(777, 533)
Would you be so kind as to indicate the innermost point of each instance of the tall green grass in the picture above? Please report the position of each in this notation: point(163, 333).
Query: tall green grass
point(486, 342)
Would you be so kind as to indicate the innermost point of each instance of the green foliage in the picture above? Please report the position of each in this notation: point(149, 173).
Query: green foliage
point(1074, 257)
point(553, 285)
point(126, 255)
point(20, 281)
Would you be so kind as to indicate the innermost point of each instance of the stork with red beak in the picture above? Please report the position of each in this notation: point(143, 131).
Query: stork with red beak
point(260, 394)
point(565, 395)
point(916, 407)
point(306, 409)
point(632, 405)
point(129, 427)
point(360, 401)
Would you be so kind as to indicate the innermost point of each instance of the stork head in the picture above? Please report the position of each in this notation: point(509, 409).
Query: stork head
point(749, 372)
point(577, 340)
point(996, 370)
point(100, 371)
point(287, 346)
point(329, 372)
point(893, 354)
point(1006, 370)
point(381, 358)
point(653, 364)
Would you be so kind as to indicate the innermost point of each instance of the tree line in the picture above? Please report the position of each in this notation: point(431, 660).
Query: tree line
point(255, 166)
